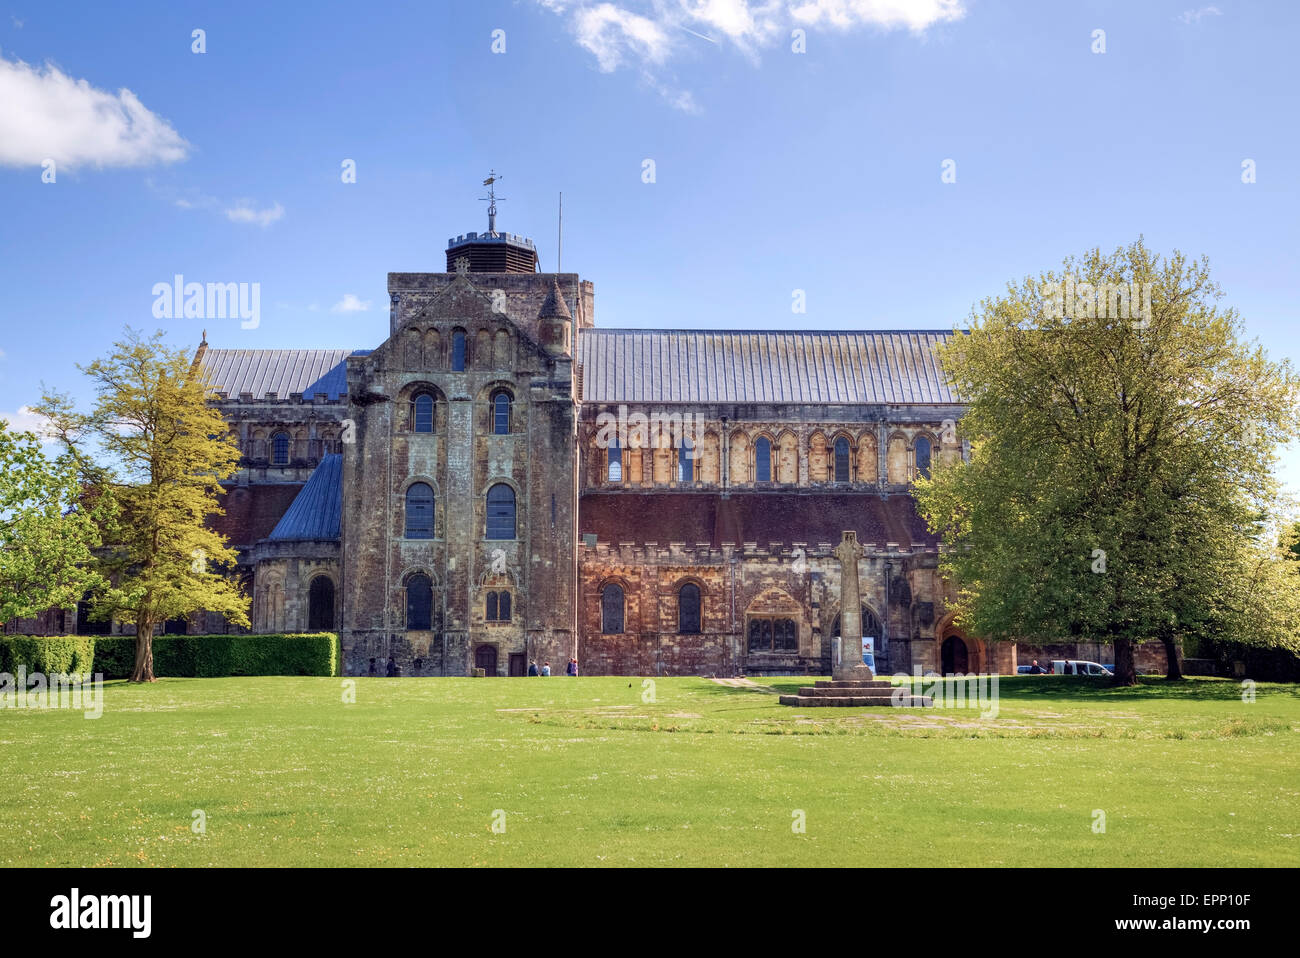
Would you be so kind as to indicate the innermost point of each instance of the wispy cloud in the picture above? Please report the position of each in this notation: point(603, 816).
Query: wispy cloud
point(18, 24)
point(350, 304)
point(27, 420)
point(647, 35)
point(49, 115)
point(1194, 16)
point(244, 211)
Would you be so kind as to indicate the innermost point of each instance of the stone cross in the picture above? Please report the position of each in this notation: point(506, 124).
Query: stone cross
point(850, 665)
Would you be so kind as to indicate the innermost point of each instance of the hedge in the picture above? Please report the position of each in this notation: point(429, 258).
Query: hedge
point(181, 656)
point(49, 655)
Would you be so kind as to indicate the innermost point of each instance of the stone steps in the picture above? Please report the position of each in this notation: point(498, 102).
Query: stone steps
point(869, 691)
point(854, 701)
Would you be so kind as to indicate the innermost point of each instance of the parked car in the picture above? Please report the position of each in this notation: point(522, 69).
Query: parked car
point(1024, 670)
point(1078, 667)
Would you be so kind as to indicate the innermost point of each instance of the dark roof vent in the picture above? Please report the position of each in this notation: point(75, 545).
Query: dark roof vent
point(492, 253)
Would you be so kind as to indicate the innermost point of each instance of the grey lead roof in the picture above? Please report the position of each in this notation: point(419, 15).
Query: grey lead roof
point(666, 366)
point(317, 509)
point(279, 371)
point(832, 366)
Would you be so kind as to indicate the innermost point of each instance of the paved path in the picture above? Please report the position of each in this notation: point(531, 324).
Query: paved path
point(746, 684)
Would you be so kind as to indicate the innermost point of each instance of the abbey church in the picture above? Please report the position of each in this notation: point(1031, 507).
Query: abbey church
point(449, 500)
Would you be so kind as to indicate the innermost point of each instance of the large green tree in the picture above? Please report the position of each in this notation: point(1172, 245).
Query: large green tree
point(168, 451)
point(50, 525)
point(1120, 475)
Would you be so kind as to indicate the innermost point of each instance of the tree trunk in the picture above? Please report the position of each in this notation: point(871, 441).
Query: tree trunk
point(143, 671)
point(1173, 658)
point(1125, 670)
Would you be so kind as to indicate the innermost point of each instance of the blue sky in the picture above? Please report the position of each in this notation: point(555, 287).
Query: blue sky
point(774, 170)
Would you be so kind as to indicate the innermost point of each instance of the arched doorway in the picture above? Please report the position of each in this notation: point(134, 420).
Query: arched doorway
point(954, 656)
point(320, 604)
point(485, 658)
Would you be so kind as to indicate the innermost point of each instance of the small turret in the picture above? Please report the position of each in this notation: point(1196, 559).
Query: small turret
point(555, 323)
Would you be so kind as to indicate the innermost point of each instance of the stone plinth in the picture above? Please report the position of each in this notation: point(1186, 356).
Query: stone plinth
point(854, 694)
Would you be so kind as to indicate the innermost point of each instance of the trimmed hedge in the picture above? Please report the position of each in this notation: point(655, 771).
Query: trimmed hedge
point(188, 656)
point(49, 655)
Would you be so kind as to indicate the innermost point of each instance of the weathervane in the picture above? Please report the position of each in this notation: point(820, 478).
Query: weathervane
point(491, 201)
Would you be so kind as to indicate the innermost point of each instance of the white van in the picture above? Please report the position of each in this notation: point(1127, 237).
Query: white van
point(1077, 667)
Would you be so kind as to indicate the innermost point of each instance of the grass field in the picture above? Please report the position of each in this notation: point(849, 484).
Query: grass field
point(587, 773)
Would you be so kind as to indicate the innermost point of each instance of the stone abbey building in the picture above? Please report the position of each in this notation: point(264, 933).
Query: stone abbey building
point(457, 498)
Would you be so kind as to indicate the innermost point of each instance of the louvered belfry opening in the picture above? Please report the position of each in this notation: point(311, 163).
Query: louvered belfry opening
point(493, 253)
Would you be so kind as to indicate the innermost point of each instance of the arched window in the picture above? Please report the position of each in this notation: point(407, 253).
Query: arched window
point(320, 604)
point(870, 624)
point(501, 414)
point(773, 634)
point(841, 460)
point(763, 460)
point(419, 602)
point(923, 457)
point(458, 351)
point(422, 413)
point(501, 512)
point(688, 609)
point(685, 464)
point(615, 470)
point(419, 511)
point(498, 607)
point(280, 449)
point(611, 609)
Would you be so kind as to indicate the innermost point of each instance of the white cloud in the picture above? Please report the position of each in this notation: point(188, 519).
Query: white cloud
point(648, 34)
point(18, 24)
point(27, 420)
point(614, 36)
point(46, 114)
point(350, 304)
point(1194, 16)
point(916, 15)
point(244, 211)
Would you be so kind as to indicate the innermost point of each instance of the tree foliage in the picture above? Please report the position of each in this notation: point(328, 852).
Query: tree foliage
point(167, 450)
point(1120, 479)
point(50, 524)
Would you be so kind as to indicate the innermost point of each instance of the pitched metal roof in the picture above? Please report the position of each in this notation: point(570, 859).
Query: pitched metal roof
point(279, 371)
point(812, 366)
point(316, 510)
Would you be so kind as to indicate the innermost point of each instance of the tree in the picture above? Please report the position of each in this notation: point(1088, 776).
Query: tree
point(1120, 459)
point(168, 451)
point(50, 524)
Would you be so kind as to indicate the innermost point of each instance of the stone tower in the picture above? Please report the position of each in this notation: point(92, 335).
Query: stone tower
point(460, 503)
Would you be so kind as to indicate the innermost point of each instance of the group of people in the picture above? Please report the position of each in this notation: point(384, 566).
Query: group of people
point(570, 669)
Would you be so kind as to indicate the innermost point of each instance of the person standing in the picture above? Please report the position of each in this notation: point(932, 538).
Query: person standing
point(572, 668)
point(546, 668)
point(532, 668)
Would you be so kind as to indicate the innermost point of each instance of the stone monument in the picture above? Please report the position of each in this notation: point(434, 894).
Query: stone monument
point(852, 682)
point(850, 665)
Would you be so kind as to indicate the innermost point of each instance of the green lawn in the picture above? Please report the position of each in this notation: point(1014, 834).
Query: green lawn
point(589, 774)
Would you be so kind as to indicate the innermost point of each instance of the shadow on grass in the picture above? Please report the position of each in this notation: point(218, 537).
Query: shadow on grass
point(1149, 688)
